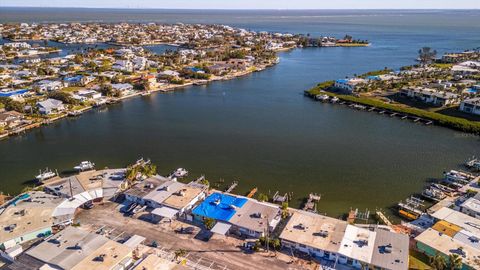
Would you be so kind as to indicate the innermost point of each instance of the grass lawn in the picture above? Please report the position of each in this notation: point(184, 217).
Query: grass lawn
point(418, 261)
point(71, 89)
point(441, 65)
point(2, 106)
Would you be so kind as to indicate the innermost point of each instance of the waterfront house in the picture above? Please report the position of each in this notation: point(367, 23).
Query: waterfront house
point(471, 207)
point(50, 106)
point(123, 65)
point(124, 89)
point(25, 218)
point(349, 85)
point(168, 74)
point(336, 241)
point(11, 119)
point(238, 215)
point(432, 96)
point(453, 233)
point(471, 105)
point(87, 95)
point(169, 198)
point(74, 248)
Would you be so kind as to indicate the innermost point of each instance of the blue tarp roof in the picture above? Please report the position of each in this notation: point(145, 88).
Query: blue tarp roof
point(73, 79)
point(219, 206)
point(13, 92)
point(342, 81)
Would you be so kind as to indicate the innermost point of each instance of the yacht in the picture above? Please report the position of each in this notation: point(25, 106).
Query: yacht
point(457, 177)
point(85, 166)
point(47, 174)
point(433, 194)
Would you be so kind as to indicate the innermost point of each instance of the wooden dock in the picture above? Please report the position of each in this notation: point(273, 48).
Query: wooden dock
point(383, 218)
point(232, 187)
point(311, 204)
point(252, 192)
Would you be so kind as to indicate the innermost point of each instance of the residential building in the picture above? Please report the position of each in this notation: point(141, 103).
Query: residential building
point(471, 207)
point(453, 233)
point(471, 105)
point(11, 119)
point(336, 241)
point(74, 248)
point(50, 106)
point(349, 85)
point(432, 96)
point(238, 215)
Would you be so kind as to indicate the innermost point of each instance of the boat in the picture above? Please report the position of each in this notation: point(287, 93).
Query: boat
point(444, 189)
point(408, 215)
point(85, 166)
point(433, 194)
point(47, 174)
point(322, 97)
point(473, 163)
point(334, 100)
point(457, 177)
point(180, 172)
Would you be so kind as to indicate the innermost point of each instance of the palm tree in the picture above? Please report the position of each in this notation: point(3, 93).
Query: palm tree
point(455, 262)
point(438, 262)
point(426, 55)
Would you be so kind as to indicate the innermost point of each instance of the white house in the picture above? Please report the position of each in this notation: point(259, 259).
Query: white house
point(428, 95)
point(471, 207)
point(48, 85)
point(50, 106)
point(123, 65)
point(471, 105)
point(349, 85)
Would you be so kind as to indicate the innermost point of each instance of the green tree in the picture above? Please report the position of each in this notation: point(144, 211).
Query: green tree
point(438, 262)
point(454, 262)
point(284, 207)
point(262, 197)
point(209, 223)
point(180, 253)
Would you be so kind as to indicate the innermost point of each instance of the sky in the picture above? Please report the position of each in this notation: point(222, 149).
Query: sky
point(251, 4)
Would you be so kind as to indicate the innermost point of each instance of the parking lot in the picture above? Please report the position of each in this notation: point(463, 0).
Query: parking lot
point(218, 252)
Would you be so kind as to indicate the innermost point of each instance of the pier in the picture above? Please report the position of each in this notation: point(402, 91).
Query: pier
point(232, 187)
point(383, 218)
point(311, 204)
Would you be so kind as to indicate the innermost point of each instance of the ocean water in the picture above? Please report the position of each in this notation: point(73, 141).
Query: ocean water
point(259, 129)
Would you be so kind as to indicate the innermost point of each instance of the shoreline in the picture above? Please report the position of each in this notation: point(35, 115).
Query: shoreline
point(370, 104)
point(163, 89)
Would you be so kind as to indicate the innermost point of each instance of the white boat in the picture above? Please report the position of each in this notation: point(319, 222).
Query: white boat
point(85, 166)
point(334, 100)
point(180, 172)
point(473, 163)
point(322, 97)
point(457, 177)
point(433, 194)
point(47, 174)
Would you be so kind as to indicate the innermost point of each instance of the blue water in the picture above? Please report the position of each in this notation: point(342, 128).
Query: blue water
point(260, 130)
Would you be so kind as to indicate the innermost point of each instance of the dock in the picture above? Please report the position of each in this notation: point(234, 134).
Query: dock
point(278, 198)
point(311, 204)
point(252, 192)
point(232, 187)
point(383, 218)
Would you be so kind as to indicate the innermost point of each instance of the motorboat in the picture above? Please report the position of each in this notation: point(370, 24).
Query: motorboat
point(334, 100)
point(85, 166)
point(433, 194)
point(322, 97)
point(180, 172)
point(47, 174)
point(457, 177)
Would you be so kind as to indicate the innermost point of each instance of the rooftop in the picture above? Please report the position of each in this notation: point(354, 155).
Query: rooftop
point(29, 215)
point(315, 230)
point(358, 243)
point(165, 190)
point(105, 257)
point(153, 262)
point(253, 215)
point(220, 206)
point(460, 219)
point(145, 187)
point(391, 250)
point(182, 197)
point(448, 245)
point(68, 247)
